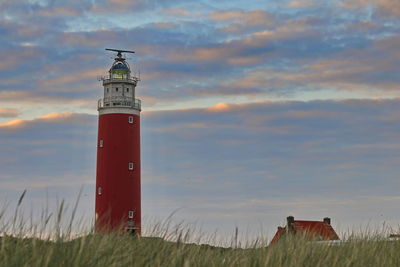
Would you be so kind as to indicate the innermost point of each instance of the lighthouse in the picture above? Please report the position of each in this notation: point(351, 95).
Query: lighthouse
point(118, 201)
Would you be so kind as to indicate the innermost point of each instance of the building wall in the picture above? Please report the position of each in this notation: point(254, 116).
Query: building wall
point(118, 187)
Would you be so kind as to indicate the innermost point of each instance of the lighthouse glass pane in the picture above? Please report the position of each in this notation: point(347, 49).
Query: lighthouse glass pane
point(119, 74)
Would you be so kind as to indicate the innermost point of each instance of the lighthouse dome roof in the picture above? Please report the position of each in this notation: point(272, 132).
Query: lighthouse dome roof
point(119, 66)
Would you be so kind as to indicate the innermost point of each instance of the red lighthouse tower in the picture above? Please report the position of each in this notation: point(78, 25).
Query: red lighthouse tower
point(118, 202)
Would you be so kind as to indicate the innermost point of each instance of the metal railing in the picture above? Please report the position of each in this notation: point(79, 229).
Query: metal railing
point(119, 101)
point(110, 78)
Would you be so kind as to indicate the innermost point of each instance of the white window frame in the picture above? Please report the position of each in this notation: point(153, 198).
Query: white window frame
point(131, 213)
point(130, 119)
point(131, 166)
point(99, 191)
point(101, 143)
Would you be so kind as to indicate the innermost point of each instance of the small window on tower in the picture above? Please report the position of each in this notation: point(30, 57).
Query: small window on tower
point(107, 89)
point(131, 166)
point(116, 89)
point(127, 89)
point(130, 214)
point(130, 119)
point(99, 191)
point(101, 143)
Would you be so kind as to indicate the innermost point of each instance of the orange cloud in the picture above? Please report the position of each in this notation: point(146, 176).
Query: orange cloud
point(55, 116)
point(219, 107)
point(251, 17)
point(8, 112)
point(51, 117)
point(13, 124)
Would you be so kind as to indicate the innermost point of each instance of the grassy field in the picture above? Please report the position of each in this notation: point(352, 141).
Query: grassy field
point(111, 250)
point(51, 242)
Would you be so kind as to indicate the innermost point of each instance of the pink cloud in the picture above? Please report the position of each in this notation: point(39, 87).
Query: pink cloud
point(251, 17)
point(243, 21)
point(9, 112)
point(77, 76)
point(11, 60)
point(93, 38)
point(60, 11)
point(301, 3)
point(229, 52)
point(386, 7)
point(178, 12)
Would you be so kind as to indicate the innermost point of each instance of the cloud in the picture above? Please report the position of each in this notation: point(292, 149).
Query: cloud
point(219, 107)
point(9, 112)
point(255, 47)
point(13, 58)
point(382, 7)
point(301, 3)
point(126, 6)
point(60, 11)
point(78, 76)
point(178, 12)
point(244, 157)
point(249, 17)
point(14, 125)
point(369, 69)
point(274, 52)
point(313, 151)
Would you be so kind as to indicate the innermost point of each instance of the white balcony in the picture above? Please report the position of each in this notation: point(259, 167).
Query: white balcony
point(119, 78)
point(119, 101)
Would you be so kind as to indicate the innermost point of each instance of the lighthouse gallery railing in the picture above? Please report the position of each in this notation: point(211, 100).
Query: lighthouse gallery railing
point(119, 101)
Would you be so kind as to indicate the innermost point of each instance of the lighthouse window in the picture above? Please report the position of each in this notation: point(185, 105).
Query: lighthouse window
point(116, 89)
point(101, 143)
point(127, 89)
point(130, 119)
point(130, 214)
point(99, 191)
point(131, 166)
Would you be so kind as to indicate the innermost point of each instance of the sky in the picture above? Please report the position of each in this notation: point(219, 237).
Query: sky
point(252, 110)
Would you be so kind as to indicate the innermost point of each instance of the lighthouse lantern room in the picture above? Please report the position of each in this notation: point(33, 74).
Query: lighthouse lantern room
point(118, 200)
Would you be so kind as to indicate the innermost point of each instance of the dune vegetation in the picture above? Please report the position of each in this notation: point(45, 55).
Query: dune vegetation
point(53, 242)
point(114, 250)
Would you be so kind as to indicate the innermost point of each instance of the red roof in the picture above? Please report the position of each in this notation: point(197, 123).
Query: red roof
point(321, 229)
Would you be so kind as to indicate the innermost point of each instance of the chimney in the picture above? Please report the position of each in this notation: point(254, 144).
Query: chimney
point(327, 221)
point(290, 220)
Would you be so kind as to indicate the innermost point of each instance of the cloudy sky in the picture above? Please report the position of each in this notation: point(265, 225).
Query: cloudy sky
point(252, 110)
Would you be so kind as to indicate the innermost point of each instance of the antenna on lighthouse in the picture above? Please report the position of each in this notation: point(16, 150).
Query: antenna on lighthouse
point(119, 51)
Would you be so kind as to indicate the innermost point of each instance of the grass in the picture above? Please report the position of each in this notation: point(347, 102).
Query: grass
point(112, 250)
point(51, 243)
